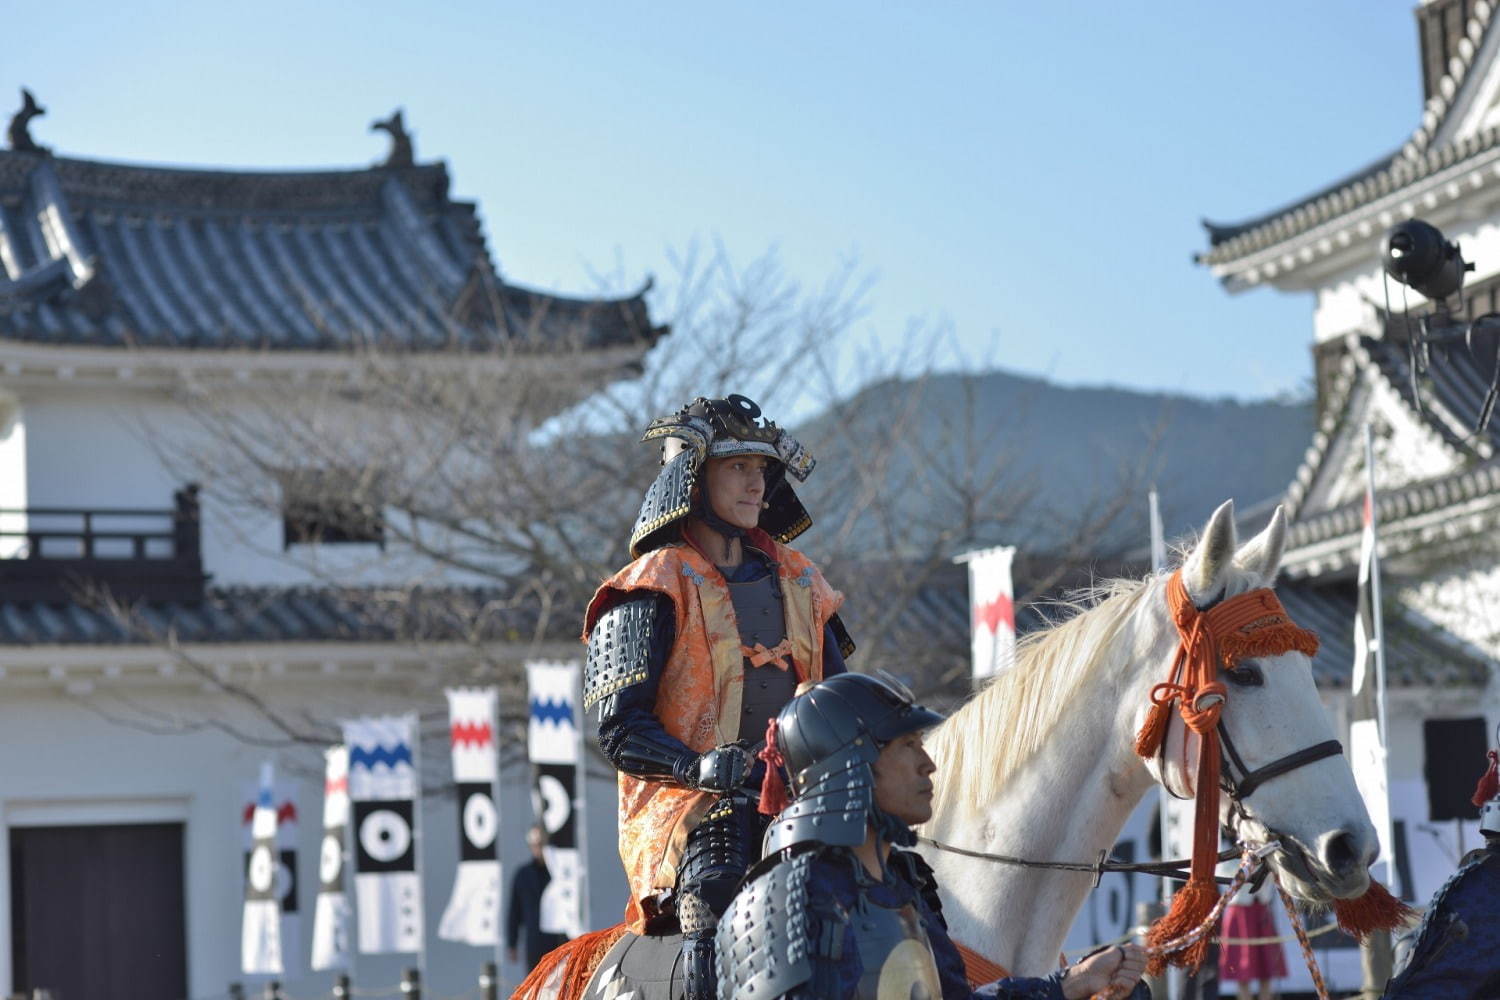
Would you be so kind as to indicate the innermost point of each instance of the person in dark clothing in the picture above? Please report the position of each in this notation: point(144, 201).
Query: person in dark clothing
point(525, 908)
point(841, 908)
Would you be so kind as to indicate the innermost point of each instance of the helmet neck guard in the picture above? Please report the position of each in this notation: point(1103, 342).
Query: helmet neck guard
point(830, 737)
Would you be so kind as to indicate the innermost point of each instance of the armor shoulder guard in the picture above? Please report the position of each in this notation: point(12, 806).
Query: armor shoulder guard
point(764, 936)
point(619, 648)
point(920, 874)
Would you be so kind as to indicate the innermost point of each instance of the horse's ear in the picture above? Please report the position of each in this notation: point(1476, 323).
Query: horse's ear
point(1203, 570)
point(1261, 555)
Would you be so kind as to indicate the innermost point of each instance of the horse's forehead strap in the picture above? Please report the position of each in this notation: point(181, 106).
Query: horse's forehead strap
point(1247, 625)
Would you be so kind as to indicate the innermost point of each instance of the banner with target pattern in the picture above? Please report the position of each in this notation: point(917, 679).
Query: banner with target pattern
point(473, 913)
point(331, 915)
point(383, 793)
point(260, 930)
point(554, 744)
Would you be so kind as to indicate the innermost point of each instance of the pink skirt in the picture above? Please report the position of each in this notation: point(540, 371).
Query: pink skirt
point(1239, 963)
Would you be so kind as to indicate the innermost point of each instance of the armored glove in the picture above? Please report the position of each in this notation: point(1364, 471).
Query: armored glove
point(720, 770)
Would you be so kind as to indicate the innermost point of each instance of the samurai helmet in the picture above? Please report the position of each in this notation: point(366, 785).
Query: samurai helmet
point(828, 738)
point(718, 428)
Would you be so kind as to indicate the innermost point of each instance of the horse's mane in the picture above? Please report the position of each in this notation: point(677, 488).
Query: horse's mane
point(988, 738)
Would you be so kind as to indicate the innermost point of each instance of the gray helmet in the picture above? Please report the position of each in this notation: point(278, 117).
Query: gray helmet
point(829, 738)
point(715, 428)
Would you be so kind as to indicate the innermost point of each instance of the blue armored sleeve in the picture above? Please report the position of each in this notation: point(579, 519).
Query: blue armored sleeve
point(628, 651)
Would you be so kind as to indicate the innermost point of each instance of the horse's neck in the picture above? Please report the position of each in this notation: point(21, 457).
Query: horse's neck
point(1068, 803)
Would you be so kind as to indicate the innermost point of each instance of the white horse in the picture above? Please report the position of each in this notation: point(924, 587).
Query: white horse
point(1040, 764)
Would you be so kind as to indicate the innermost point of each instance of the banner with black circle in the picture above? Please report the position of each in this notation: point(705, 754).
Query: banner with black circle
point(554, 743)
point(473, 912)
point(260, 930)
point(383, 799)
point(330, 943)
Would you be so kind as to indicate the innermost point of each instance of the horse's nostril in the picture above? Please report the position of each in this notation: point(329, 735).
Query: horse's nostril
point(1342, 853)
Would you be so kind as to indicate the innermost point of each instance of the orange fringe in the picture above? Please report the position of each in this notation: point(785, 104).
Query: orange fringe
point(978, 969)
point(1191, 905)
point(1376, 910)
point(582, 956)
point(1267, 640)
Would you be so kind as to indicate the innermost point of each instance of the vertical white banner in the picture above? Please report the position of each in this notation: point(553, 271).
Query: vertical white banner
point(260, 930)
point(554, 742)
point(993, 611)
point(1367, 723)
point(330, 943)
point(383, 792)
point(473, 913)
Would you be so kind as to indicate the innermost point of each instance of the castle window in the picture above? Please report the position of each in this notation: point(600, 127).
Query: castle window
point(330, 507)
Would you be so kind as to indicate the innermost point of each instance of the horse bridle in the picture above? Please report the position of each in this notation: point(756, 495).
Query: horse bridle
point(1240, 788)
point(1248, 781)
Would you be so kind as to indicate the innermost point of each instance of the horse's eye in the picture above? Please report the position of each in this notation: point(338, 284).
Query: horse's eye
point(1246, 675)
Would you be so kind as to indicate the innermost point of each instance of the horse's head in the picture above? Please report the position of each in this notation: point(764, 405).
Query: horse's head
point(1302, 793)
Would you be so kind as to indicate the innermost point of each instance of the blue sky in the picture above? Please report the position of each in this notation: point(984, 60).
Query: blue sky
point(1028, 175)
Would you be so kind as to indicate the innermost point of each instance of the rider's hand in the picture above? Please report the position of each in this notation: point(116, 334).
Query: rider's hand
point(722, 769)
point(1121, 966)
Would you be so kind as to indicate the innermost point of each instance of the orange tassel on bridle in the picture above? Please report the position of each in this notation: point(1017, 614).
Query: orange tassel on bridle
point(1252, 624)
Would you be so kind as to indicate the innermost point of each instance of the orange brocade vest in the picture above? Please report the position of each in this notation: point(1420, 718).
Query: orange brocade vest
point(698, 699)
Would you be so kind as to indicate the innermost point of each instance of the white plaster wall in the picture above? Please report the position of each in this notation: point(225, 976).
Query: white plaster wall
point(1462, 597)
point(12, 472)
point(69, 764)
point(89, 446)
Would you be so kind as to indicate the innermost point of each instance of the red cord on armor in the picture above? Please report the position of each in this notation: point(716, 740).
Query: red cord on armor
point(773, 797)
point(1489, 782)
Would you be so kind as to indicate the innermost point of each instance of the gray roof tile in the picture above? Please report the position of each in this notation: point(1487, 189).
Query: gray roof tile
point(162, 257)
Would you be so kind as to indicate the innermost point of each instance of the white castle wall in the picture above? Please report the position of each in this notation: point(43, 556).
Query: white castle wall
point(113, 446)
point(94, 771)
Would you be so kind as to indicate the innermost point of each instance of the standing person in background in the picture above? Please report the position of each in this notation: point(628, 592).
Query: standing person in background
point(693, 648)
point(525, 908)
point(1247, 917)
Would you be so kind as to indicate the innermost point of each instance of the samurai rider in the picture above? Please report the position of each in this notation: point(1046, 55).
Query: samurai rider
point(692, 649)
point(841, 908)
point(1456, 954)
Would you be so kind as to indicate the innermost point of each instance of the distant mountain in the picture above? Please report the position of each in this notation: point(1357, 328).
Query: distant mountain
point(1059, 449)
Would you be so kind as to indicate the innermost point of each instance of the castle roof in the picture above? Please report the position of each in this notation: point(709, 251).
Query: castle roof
point(115, 255)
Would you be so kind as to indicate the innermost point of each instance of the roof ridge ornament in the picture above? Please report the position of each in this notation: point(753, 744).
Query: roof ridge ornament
point(402, 153)
point(19, 133)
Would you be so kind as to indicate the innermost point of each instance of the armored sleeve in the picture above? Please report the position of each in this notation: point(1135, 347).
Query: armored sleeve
point(628, 650)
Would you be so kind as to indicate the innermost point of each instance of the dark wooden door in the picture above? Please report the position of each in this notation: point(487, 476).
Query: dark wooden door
point(97, 911)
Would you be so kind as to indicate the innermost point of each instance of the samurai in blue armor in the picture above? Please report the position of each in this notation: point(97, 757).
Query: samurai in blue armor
point(841, 908)
point(1456, 955)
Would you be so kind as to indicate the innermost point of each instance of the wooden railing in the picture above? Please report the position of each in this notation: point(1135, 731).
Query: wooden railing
point(57, 554)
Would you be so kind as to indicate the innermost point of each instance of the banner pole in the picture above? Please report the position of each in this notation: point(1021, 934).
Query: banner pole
point(416, 836)
point(580, 806)
point(499, 863)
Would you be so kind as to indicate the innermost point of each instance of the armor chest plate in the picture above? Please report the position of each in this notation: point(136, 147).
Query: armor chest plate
point(761, 620)
point(758, 612)
point(895, 955)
